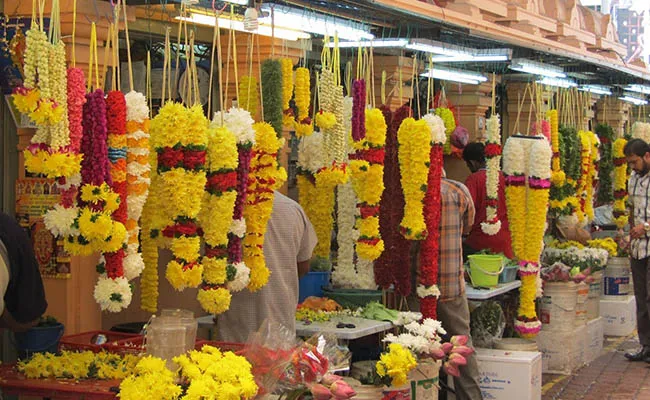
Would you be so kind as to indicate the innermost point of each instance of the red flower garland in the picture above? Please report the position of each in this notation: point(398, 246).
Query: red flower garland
point(393, 266)
point(430, 251)
point(358, 110)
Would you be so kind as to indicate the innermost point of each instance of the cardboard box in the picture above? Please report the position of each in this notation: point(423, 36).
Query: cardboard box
point(595, 337)
point(619, 315)
point(562, 352)
point(507, 375)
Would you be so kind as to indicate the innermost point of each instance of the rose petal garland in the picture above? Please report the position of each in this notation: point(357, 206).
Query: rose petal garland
point(179, 136)
point(492, 225)
point(358, 110)
point(414, 138)
point(266, 176)
point(367, 174)
point(393, 266)
point(216, 217)
point(428, 290)
point(620, 183)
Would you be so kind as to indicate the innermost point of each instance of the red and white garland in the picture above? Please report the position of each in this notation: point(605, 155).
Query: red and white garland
point(492, 224)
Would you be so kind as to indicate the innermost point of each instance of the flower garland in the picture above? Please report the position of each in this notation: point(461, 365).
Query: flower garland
point(266, 176)
point(325, 182)
point(76, 99)
point(570, 162)
point(606, 165)
point(414, 138)
point(561, 200)
point(492, 225)
point(272, 96)
point(358, 110)
point(248, 94)
point(450, 125)
point(216, 217)
point(240, 123)
point(583, 185)
point(396, 254)
point(179, 136)
point(287, 92)
point(514, 164)
point(592, 178)
point(427, 289)
point(302, 95)
point(138, 176)
point(367, 174)
point(620, 183)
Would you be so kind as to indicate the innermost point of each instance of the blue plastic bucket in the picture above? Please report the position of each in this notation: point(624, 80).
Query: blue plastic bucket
point(40, 339)
point(312, 285)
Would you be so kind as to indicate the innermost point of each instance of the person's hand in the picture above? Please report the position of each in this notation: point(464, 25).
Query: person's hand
point(637, 232)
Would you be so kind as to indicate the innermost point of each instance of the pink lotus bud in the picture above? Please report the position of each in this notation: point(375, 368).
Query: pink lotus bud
point(451, 369)
point(459, 340)
point(446, 347)
point(438, 353)
point(341, 390)
point(320, 392)
point(457, 359)
point(328, 379)
point(463, 350)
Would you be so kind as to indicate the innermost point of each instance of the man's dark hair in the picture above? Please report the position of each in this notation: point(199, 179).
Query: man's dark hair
point(637, 147)
point(474, 151)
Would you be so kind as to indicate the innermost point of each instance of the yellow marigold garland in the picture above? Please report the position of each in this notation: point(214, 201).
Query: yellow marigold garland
point(287, 92)
point(302, 97)
point(620, 183)
point(585, 174)
point(450, 125)
point(414, 138)
point(249, 94)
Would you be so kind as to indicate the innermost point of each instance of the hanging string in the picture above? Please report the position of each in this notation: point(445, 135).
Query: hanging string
point(250, 72)
point(372, 77)
point(128, 46)
point(412, 83)
point(234, 55)
point(165, 61)
point(93, 58)
point(148, 83)
point(116, 44)
point(430, 93)
point(336, 61)
point(259, 77)
point(399, 83)
point(74, 33)
point(107, 49)
point(348, 78)
point(417, 88)
point(178, 46)
point(359, 63)
point(222, 99)
point(325, 55)
point(383, 87)
point(532, 103)
point(212, 54)
point(227, 82)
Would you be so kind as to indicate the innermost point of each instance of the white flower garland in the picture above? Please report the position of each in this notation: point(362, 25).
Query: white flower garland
point(424, 291)
point(310, 153)
point(241, 279)
point(239, 122)
point(113, 295)
point(437, 126)
point(492, 224)
point(238, 227)
point(344, 274)
point(60, 220)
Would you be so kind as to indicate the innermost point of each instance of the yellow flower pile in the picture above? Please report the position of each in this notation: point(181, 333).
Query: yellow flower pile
point(213, 374)
point(248, 94)
point(414, 139)
point(450, 126)
point(302, 97)
point(620, 183)
point(562, 245)
point(368, 182)
point(181, 189)
point(396, 363)
point(608, 244)
point(73, 365)
point(287, 91)
point(151, 380)
point(265, 176)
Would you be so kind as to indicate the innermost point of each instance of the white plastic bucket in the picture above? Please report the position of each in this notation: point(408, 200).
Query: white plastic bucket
point(617, 277)
point(516, 344)
point(558, 306)
point(582, 296)
point(593, 301)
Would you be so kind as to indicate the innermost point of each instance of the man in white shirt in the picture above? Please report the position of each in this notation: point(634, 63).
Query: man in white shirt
point(637, 154)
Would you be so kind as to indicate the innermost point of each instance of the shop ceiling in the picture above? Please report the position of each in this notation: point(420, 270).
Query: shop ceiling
point(390, 23)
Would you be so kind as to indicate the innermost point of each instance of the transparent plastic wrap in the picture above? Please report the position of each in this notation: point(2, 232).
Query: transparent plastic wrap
point(281, 363)
point(487, 323)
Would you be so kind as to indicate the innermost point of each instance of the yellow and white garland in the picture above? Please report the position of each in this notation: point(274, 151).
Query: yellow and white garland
point(492, 224)
point(620, 184)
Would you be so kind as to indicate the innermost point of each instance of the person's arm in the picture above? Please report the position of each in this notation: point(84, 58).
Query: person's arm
point(470, 211)
point(7, 321)
point(303, 268)
point(307, 243)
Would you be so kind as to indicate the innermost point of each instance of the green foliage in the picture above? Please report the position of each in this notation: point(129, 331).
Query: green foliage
point(606, 165)
point(272, 93)
point(570, 152)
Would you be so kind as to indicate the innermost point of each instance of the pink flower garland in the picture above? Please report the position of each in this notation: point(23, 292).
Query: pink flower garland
point(95, 164)
point(358, 110)
point(76, 101)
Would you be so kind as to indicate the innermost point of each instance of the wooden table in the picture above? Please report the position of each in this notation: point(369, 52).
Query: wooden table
point(14, 383)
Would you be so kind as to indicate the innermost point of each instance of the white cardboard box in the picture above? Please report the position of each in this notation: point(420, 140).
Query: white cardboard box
point(619, 315)
point(562, 352)
point(595, 337)
point(507, 375)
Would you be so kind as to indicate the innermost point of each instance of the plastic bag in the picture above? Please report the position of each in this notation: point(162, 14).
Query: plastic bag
point(487, 323)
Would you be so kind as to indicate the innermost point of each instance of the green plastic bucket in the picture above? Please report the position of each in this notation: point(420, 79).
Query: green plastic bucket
point(484, 269)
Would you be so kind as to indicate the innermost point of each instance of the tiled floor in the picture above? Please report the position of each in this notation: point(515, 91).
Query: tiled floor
point(610, 376)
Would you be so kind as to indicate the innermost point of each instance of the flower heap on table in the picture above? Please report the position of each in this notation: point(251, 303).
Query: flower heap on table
point(492, 224)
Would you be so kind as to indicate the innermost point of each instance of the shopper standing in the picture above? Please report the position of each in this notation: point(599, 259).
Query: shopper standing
point(637, 154)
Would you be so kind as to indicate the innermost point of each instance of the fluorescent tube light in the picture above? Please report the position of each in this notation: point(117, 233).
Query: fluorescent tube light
point(396, 43)
point(455, 75)
point(596, 89)
point(563, 83)
point(240, 2)
point(430, 46)
point(238, 25)
point(536, 68)
point(638, 88)
point(307, 21)
point(470, 58)
point(634, 100)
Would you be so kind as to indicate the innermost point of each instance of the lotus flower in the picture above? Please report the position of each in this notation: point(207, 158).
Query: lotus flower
point(329, 379)
point(341, 390)
point(463, 350)
point(320, 392)
point(459, 340)
point(446, 347)
point(457, 359)
point(438, 353)
point(451, 369)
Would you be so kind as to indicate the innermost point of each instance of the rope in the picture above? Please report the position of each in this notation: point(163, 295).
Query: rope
point(74, 32)
point(383, 87)
point(212, 54)
point(259, 74)
point(222, 100)
point(148, 82)
point(93, 57)
point(109, 44)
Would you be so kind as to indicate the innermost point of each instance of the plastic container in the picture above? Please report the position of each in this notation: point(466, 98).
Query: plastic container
point(166, 339)
point(558, 306)
point(485, 269)
point(516, 344)
point(134, 345)
point(582, 296)
point(312, 284)
point(40, 339)
point(186, 319)
point(352, 298)
point(617, 277)
point(509, 274)
point(86, 340)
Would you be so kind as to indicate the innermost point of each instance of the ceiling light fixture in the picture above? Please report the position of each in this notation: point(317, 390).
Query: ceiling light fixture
point(455, 75)
point(558, 82)
point(375, 43)
point(630, 98)
point(431, 46)
point(238, 25)
point(638, 88)
point(309, 21)
point(536, 68)
point(596, 89)
point(470, 58)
